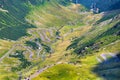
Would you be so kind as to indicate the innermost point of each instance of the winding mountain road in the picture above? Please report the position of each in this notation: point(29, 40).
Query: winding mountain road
point(39, 50)
point(28, 49)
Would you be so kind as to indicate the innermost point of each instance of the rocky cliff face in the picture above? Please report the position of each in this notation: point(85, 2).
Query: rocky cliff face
point(103, 5)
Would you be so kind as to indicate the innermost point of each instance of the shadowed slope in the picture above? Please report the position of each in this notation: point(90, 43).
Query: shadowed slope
point(109, 69)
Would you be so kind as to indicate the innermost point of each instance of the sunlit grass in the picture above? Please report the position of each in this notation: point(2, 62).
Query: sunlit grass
point(4, 46)
point(81, 71)
point(52, 15)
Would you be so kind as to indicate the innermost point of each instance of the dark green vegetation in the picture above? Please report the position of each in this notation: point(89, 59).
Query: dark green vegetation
point(108, 15)
point(32, 44)
point(47, 48)
point(37, 43)
point(63, 38)
point(13, 25)
point(24, 62)
point(14, 33)
point(93, 44)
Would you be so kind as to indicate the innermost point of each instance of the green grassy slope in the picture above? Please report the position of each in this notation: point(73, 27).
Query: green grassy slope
point(84, 36)
point(14, 26)
point(12, 18)
point(52, 15)
point(100, 35)
point(102, 38)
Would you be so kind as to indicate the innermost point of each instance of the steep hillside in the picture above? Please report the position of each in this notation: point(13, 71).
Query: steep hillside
point(13, 22)
point(13, 15)
point(95, 64)
point(101, 34)
point(29, 39)
point(59, 40)
point(13, 19)
point(53, 15)
point(96, 49)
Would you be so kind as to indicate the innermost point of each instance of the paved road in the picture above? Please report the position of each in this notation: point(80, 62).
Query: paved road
point(41, 70)
point(28, 49)
point(39, 50)
point(37, 73)
point(6, 54)
point(41, 36)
